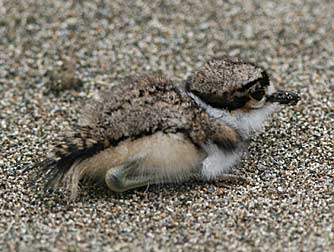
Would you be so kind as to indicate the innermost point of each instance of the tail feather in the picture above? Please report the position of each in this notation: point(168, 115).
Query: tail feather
point(54, 170)
point(71, 151)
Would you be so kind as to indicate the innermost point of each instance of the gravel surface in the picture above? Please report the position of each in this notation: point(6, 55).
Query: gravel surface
point(54, 55)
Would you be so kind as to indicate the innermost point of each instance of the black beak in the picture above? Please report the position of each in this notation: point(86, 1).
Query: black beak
point(284, 97)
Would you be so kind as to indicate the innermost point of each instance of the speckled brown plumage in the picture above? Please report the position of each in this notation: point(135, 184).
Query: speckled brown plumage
point(140, 107)
point(147, 105)
point(132, 110)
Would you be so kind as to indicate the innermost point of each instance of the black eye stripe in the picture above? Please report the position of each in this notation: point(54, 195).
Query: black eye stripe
point(224, 102)
point(238, 102)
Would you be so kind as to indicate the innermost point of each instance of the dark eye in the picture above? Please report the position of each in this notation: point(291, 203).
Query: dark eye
point(257, 95)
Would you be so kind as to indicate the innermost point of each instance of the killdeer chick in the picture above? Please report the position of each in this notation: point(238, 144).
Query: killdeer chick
point(150, 131)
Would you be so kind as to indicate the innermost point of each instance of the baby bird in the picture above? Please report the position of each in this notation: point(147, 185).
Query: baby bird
point(149, 130)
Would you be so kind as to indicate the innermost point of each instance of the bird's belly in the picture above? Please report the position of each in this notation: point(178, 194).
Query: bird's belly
point(162, 155)
point(170, 155)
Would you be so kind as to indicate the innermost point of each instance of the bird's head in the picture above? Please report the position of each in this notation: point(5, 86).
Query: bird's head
point(232, 84)
point(237, 93)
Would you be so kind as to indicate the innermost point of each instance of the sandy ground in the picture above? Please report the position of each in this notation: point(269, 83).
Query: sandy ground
point(288, 204)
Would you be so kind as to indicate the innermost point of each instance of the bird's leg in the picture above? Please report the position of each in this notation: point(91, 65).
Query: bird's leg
point(121, 178)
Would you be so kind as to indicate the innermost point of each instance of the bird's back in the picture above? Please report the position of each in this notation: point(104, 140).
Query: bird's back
point(138, 108)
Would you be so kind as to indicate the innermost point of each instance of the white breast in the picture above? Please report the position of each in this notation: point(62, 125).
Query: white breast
point(252, 122)
point(218, 162)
